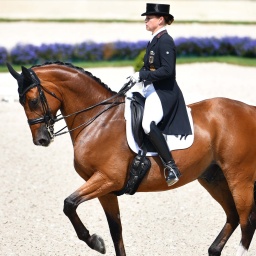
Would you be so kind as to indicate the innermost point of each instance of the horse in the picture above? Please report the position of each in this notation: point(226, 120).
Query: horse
point(222, 157)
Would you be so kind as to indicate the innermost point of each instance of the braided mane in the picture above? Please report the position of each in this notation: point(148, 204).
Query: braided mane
point(70, 65)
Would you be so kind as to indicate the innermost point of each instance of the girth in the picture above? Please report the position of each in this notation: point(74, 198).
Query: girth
point(138, 169)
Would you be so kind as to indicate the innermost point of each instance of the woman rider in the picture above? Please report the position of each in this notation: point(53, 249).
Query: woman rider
point(165, 110)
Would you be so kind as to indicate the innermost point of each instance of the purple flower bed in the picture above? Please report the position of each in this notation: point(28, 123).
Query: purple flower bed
point(3, 55)
point(52, 52)
point(211, 46)
point(24, 54)
point(87, 51)
point(90, 51)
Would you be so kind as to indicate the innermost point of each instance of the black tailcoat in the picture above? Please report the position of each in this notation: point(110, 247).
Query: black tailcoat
point(160, 69)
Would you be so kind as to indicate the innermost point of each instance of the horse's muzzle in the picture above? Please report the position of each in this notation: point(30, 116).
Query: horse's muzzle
point(42, 137)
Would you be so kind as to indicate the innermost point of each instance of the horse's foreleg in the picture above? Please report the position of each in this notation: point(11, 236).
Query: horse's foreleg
point(96, 186)
point(95, 242)
point(217, 186)
point(110, 205)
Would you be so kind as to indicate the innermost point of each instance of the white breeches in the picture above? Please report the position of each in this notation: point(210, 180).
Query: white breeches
point(153, 110)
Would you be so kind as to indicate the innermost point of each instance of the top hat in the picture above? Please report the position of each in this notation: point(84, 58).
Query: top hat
point(158, 9)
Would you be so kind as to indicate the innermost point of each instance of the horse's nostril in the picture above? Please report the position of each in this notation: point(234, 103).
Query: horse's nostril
point(43, 142)
point(42, 137)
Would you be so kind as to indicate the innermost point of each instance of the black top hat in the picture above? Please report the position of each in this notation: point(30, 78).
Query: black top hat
point(158, 9)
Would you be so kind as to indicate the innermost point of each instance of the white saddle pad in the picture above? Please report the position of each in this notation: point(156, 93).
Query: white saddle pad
point(174, 141)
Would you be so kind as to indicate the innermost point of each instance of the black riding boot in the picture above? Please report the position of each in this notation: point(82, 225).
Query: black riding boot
point(157, 139)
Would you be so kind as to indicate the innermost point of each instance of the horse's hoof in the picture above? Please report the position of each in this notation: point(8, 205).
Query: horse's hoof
point(98, 244)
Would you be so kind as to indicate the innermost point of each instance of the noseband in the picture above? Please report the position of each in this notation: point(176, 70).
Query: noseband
point(48, 117)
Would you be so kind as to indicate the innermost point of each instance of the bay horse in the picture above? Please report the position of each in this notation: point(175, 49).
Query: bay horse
point(222, 157)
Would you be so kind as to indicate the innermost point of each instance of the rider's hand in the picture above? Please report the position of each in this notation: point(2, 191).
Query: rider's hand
point(135, 78)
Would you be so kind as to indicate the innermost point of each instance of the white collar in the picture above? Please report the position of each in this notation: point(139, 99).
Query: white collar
point(157, 32)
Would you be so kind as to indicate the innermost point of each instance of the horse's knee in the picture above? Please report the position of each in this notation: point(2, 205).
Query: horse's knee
point(69, 206)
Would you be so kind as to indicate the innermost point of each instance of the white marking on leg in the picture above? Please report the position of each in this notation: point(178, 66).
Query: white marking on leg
point(241, 250)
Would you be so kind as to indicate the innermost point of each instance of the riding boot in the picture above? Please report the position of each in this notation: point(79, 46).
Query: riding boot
point(171, 171)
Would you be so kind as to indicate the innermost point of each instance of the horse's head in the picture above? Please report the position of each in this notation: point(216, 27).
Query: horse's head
point(40, 105)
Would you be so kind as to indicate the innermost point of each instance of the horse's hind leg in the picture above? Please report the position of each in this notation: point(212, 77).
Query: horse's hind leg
point(110, 205)
point(243, 193)
point(215, 183)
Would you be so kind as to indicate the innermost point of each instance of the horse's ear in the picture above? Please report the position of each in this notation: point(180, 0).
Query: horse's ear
point(26, 73)
point(15, 74)
point(24, 69)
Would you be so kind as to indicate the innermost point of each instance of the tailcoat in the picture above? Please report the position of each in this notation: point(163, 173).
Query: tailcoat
point(160, 69)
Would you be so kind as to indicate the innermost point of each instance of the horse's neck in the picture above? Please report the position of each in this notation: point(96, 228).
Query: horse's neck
point(82, 92)
point(79, 93)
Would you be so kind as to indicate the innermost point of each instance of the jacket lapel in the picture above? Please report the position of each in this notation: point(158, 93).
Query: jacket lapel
point(155, 39)
point(152, 43)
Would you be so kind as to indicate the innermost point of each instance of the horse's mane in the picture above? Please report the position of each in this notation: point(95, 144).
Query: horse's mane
point(70, 65)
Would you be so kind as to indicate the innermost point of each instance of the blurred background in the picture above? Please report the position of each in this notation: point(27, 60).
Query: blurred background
point(190, 10)
point(72, 22)
point(112, 33)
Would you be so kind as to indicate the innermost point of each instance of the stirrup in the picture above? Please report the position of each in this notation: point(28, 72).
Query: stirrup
point(170, 180)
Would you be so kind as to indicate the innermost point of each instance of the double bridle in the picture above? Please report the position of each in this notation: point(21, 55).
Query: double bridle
point(49, 119)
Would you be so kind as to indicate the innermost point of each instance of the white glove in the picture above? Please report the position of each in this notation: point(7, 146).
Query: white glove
point(135, 78)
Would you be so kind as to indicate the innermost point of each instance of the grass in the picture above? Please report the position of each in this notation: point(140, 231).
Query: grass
point(250, 62)
point(125, 21)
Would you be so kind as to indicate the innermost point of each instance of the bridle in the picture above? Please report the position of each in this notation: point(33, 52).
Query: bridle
point(49, 119)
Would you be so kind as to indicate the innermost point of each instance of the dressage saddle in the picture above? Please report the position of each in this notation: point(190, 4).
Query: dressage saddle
point(141, 164)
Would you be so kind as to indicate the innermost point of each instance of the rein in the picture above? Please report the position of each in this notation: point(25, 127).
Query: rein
point(49, 119)
point(121, 92)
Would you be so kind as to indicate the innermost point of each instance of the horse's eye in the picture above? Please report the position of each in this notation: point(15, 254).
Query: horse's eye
point(33, 103)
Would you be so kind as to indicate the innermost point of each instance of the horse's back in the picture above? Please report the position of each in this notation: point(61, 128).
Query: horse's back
point(224, 111)
point(230, 126)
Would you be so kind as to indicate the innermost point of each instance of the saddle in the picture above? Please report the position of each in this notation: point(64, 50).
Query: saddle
point(139, 143)
point(141, 164)
point(137, 109)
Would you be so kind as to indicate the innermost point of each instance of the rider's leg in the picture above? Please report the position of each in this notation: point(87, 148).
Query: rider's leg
point(159, 142)
point(153, 114)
